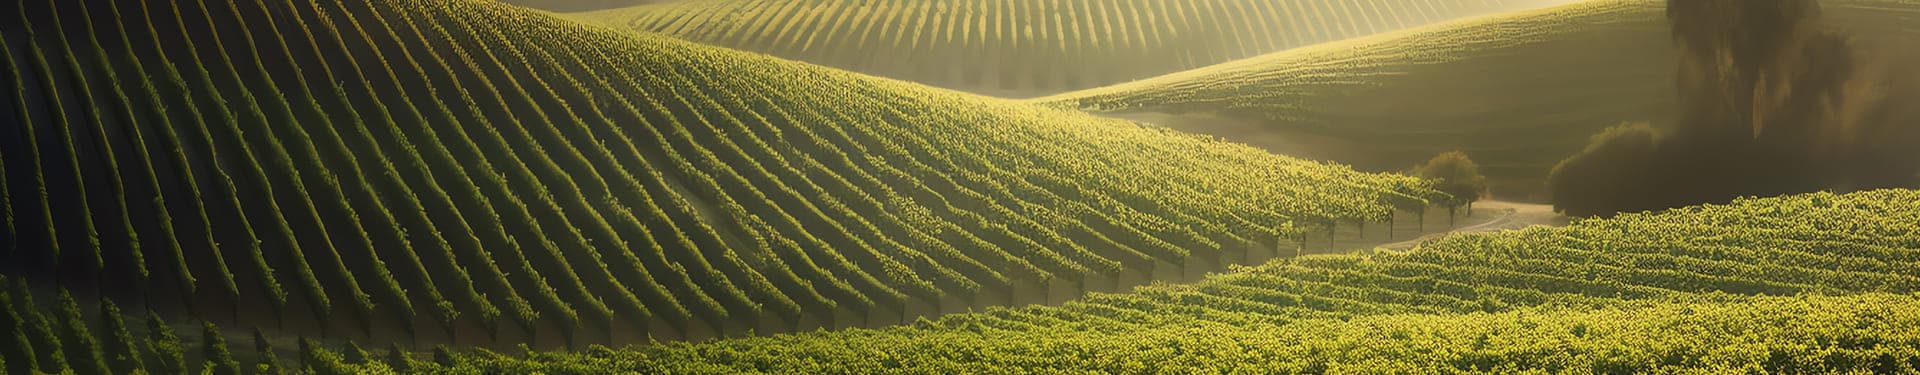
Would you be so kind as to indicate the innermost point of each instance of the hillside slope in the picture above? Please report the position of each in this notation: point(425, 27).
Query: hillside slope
point(580, 5)
point(375, 168)
point(1026, 48)
point(1519, 92)
point(1808, 283)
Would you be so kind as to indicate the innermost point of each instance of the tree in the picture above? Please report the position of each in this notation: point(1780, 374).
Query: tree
point(1771, 100)
point(1606, 176)
point(1456, 175)
point(123, 357)
point(169, 357)
point(214, 348)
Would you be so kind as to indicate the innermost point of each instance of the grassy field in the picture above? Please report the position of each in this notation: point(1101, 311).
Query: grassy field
point(1027, 48)
point(1519, 92)
point(402, 170)
point(1770, 285)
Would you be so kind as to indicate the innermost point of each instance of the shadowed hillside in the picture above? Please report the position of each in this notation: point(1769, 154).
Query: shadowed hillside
point(469, 172)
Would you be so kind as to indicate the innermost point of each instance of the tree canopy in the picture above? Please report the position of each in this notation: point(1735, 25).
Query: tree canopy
point(1457, 175)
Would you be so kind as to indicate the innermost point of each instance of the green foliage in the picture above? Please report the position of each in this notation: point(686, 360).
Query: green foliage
point(122, 236)
point(1809, 283)
point(122, 352)
point(213, 347)
point(272, 168)
point(15, 342)
point(444, 357)
point(1784, 111)
point(39, 331)
point(83, 350)
point(269, 362)
point(9, 235)
point(178, 160)
point(1609, 56)
point(1766, 335)
point(1605, 178)
point(168, 353)
point(322, 361)
point(131, 125)
point(61, 124)
point(486, 168)
point(1457, 175)
point(42, 207)
point(352, 354)
point(398, 360)
point(1022, 47)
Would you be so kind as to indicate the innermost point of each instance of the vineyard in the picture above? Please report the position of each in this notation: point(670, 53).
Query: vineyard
point(399, 171)
point(1023, 48)
point(65, 337)
point(264, 186)
point(1519, 91)
point(1815, 283)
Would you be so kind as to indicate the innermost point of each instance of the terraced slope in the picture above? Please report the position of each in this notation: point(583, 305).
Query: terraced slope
point(1024, 48)
point(1519, 92)
point(1809, 283)
point(376, 168)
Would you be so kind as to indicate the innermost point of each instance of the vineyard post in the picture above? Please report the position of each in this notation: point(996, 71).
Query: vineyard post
point(1422, 218)
point(1333, 225)
point(1300, 247)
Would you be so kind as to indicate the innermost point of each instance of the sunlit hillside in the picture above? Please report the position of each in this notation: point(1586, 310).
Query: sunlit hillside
point(581, 5)
point(1518, 91)
point(1766, 285)
point(1026, 48)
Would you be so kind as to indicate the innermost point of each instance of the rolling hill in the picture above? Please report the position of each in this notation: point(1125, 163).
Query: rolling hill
point(478, 176)
point(440, 171)
point(1809, 283)
point(1028, 48)
point(580, 5)
point(1519, 91)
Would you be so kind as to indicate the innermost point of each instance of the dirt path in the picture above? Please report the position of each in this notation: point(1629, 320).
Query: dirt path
point(1512, 215)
